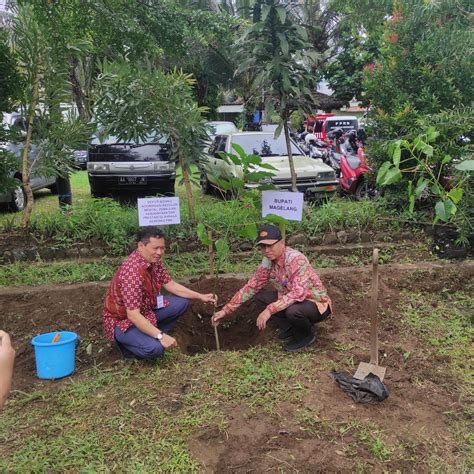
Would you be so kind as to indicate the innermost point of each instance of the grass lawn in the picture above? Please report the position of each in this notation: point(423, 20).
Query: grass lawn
point(45, 202)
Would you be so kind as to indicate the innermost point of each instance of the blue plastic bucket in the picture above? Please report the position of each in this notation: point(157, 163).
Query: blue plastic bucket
point(55, 360)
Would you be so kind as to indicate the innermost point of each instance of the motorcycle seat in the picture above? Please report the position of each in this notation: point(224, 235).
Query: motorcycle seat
point(353, 161)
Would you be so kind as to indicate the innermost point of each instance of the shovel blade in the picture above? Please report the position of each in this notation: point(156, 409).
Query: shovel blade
point(366, 368)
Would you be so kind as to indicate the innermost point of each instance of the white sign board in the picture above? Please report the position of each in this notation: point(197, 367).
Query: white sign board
point(158, 211)
point(283, 203)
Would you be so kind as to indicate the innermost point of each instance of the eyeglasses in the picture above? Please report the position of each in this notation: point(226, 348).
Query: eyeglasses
point(267, 246)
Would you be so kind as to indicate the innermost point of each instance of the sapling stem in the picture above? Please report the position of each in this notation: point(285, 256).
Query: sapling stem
point(213, 274)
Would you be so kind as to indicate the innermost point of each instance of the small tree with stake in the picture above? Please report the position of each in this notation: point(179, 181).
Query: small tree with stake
point(277, 52)
point(254, 171)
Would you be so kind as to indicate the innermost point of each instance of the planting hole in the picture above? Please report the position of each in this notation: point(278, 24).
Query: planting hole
point(195, 334)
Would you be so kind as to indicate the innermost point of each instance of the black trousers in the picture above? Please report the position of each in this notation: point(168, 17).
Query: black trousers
point(298, 319)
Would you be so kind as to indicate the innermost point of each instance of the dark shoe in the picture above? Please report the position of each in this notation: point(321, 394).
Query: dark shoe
point(284, 334)
point(126, 354)
point(295, 346)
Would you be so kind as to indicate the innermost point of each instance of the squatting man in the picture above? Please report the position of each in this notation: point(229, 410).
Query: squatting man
point(136, 315)
point(299, 300)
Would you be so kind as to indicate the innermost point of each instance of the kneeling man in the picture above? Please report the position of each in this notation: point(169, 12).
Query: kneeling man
point(299, 300)
point(136, 315)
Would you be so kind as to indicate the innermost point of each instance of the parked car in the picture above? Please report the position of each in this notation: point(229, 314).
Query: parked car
point(16, 199)
point(80, 159)
point(314, 178)
point(138, 168)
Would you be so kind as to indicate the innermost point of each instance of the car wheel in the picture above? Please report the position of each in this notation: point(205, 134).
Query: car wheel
point(206, 187)
point(18, 202)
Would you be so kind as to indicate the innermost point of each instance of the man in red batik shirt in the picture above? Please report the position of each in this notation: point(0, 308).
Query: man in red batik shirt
point(299, 299)
point(136, 315)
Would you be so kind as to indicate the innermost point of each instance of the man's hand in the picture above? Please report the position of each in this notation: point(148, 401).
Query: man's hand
point(208, 298)
point(217, 317)
point(7, 358)
point(262, 319)
point(168, 342)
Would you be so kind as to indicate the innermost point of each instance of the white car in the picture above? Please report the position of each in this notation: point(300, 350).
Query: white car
point(314, 178)
point(219, 127)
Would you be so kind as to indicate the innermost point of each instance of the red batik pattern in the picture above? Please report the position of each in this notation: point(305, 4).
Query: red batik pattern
point(131, 289)
point(292, 276)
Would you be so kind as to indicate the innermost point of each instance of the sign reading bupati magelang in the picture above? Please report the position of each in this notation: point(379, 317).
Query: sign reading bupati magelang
point(283, 203)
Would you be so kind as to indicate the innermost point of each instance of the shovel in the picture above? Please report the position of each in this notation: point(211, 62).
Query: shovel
point(373, 366)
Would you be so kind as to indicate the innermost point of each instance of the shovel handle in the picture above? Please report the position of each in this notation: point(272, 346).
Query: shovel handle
point(374, 343)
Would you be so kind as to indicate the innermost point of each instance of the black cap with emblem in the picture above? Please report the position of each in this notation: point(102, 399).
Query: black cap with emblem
point(268, 235)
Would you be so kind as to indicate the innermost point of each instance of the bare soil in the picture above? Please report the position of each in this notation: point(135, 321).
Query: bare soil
point(254, 442)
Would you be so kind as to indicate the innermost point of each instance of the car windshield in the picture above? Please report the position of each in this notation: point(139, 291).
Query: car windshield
point(218, 128)
point(265, 145)
point(100, 139)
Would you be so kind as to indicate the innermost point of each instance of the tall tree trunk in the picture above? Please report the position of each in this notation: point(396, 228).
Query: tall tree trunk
point(290, 155)
point(189, 189)
point(77, 92)
point(25, 172)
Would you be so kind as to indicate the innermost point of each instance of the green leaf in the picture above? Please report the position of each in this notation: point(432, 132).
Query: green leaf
point(236, 183)
point(420, 187)
point(274, 219)
point(445, 209)
point(278, 131)
point(239, 150)
point(281, 14)
point(393, 175)
point(423, 147)
point(411, 201)
point(202, 234)
point(231, 157)
point(284, 47)
point(395, 152)
point(455, 195)
point(383, 171)
point(268, 166)
point(431, 134)
point(265, 11)
point(435, 189)
point(446, 159)
point(250, 231)
point(222, 249)
point(466, 165)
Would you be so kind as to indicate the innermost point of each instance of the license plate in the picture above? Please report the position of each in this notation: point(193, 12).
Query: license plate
point(132, 180)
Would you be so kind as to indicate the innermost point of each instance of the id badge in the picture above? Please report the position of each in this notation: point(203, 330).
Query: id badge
point(160, 301)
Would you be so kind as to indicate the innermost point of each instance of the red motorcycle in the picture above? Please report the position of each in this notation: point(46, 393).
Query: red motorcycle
point(347, 158)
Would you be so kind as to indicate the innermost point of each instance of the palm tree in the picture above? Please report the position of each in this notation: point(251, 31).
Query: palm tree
point(276, 52)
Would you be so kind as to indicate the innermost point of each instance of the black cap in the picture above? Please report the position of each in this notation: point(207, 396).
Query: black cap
point(268, 234)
